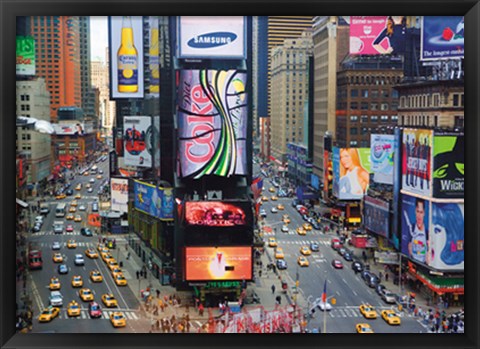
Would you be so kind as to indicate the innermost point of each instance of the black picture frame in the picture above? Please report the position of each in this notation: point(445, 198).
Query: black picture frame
point(8, 12)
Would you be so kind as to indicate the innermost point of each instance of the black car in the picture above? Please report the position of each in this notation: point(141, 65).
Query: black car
point(341, 251)
point(69, 192)
point(316, 225)
point(281, 264)
point(86, 232)
point(366, 275)
point(379, 289)
point(373, 281)
point(357, 267)
point(295, 202)
point(95, 207)
point(348, 257)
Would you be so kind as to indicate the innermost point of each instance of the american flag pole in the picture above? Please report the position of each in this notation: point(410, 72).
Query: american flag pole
point(324, 301)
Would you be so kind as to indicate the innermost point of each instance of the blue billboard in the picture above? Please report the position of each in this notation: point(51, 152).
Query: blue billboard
point(336, 171)
point(381, 156)
point(315, 181)
point(442, 37)
point(415, 228)
point(152, 200)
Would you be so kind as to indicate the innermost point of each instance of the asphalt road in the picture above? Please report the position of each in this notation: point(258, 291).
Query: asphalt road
point(40, 279)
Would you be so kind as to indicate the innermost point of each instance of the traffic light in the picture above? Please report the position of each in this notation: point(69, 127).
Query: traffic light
point(334, 301)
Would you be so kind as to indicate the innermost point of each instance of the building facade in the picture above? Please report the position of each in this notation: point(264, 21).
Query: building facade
point(100, 80)
point(88, 98)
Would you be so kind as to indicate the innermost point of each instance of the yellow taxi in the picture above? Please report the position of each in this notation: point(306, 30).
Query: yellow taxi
point(364, 328)
point(109, 300)
point(86, 173)
point(78, 187)
point(72, 209)
point(106, 256)
point(100, 247)
point(48, 314)
point(74, 203)
point(303, 261)
point(91, 253)
point(271, 190)
point(77, 281)
point(118, 319)
point(99, 176)
point(57, 258)
point(279, 253)
point(368, 311)
point(71, 244)
point(280, 207)
point(305, 251)
point(78, 218)
point(73, 309)
point(86, 294)
point(54, 284)
point(70, 217)
point(272, 242)
point(116, 271)
point(61, 196)
point(120, 280)
point(88, 185)
point(78, 196)
point(95, 276)
point(274, 198)
point(112, 264)
point(264, 198)
point(301, 231)
point(307, 226)
point(286, 219)
point(390, 317)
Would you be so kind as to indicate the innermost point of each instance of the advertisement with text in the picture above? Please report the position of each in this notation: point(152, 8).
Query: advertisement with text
point(119, 194)
point(415, 228)
point(218, 263)
point(138, 141)
point(442, 37)
point(218, 214)
point(381, 155)
point(448, 165)
point(25, 55)
point(155, 201)
point(212, 123)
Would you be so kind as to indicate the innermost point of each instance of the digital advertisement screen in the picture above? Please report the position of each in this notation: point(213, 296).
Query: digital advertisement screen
point(442, 37)
point(155, 201)
point(376, 216)
point(138, 141)
point(25, 55)
point(212, 123)
point(351, 168)
point(218, 263)
point(376, 35)
point(415, 228)
point(217, 213)
point(448, 165)
point(381, 155)
point(417, 161)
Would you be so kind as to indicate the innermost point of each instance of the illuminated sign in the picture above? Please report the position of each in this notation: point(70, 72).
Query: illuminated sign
point(351, 169)
point(212, 123)
point(214, 213)
point(382, 158)
point(218, 263)
point(137, 140)
point(25, 55)
point(157, 202)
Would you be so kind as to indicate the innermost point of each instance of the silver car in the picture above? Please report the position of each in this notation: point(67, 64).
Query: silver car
point(55, 245)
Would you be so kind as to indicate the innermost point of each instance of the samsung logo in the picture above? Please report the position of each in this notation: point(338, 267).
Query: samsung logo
point(212, 40)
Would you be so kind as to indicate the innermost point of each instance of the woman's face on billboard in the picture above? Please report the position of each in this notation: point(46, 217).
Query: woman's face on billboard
point(346, 159)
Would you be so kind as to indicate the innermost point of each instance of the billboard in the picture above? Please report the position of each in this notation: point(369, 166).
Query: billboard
point(73, 129)
point(126, 56)
point(218, 214)
point(218, 263)
point(217, 37)
point(417, 161)
point(376, 217)
point(137, 141)
point(152, 200)
point(327, 171)
point(336, 171)
point(447, 237)
point(25, 55)
point(153, 89)
point(119, 194)
point(441, 37)
point(415, 228)
point(374, 35)
point(381, 156)
point(212, 123)
point(351, 167)
point(112, 162)
point(448, 165)
point(397, 177)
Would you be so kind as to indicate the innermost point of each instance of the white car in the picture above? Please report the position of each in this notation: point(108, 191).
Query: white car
point(79, 259)
point(56, 299)
point(82, 208)
point(324, 306)
point(55, 245)
point(90, 190)
point(263, 213)
point(92, 180)
point(285, 229)
point(39, 219)
point(274, 210)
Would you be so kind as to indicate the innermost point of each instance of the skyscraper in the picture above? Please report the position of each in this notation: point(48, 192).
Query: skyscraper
point(88, 97)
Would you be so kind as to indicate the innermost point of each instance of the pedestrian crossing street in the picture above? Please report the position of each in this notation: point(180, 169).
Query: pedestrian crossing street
point(129, 314)
point(354, 312)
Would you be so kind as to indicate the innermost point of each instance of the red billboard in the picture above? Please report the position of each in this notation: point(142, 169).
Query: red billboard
point(218, 263)
point(217, 213)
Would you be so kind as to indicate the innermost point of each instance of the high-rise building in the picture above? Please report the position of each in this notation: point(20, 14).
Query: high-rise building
point(259, 71)
point(289, 78)
point(331, 46)
point(100, 80)
point(57, 59)
point(88, 96)
point(33, 100)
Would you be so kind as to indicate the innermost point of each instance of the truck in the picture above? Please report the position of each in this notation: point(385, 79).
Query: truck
point(58, 227)
point(34, 257)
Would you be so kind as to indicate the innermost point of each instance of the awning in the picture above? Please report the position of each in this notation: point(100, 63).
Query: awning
point(22, 203)
point(439, 284)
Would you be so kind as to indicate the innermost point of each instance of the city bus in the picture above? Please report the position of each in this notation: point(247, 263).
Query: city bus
point(60, 210)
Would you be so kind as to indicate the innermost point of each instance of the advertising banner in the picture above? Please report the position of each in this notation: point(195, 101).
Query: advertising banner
point(417, 161)
point(119, 194)
point(395, 237)
point(315, 181)
point(126, 56)
point(441, 37)
point(327, 171)
point(138, 141)
point(74, 129)
point(336, 171)
point(218, 214)
point(381, 155)
point(352, 172)
point(415, 228)
point(25, 56)
point(447, 237)
point(218, 37)
point(212, 123)
point(376, 216)
point(375, 35)
point(112, 162)
point(153, 89)
point(448, 165)
point(218, 263)
point(155, 201)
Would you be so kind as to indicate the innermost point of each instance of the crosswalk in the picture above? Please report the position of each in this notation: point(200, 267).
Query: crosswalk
point(303, 242)
point(46, 233)
point(293, 232)
point(354, 312)
point(129, 314)
point(64, 244)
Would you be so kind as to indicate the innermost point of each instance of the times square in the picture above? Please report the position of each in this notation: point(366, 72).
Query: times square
point(188, 200)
